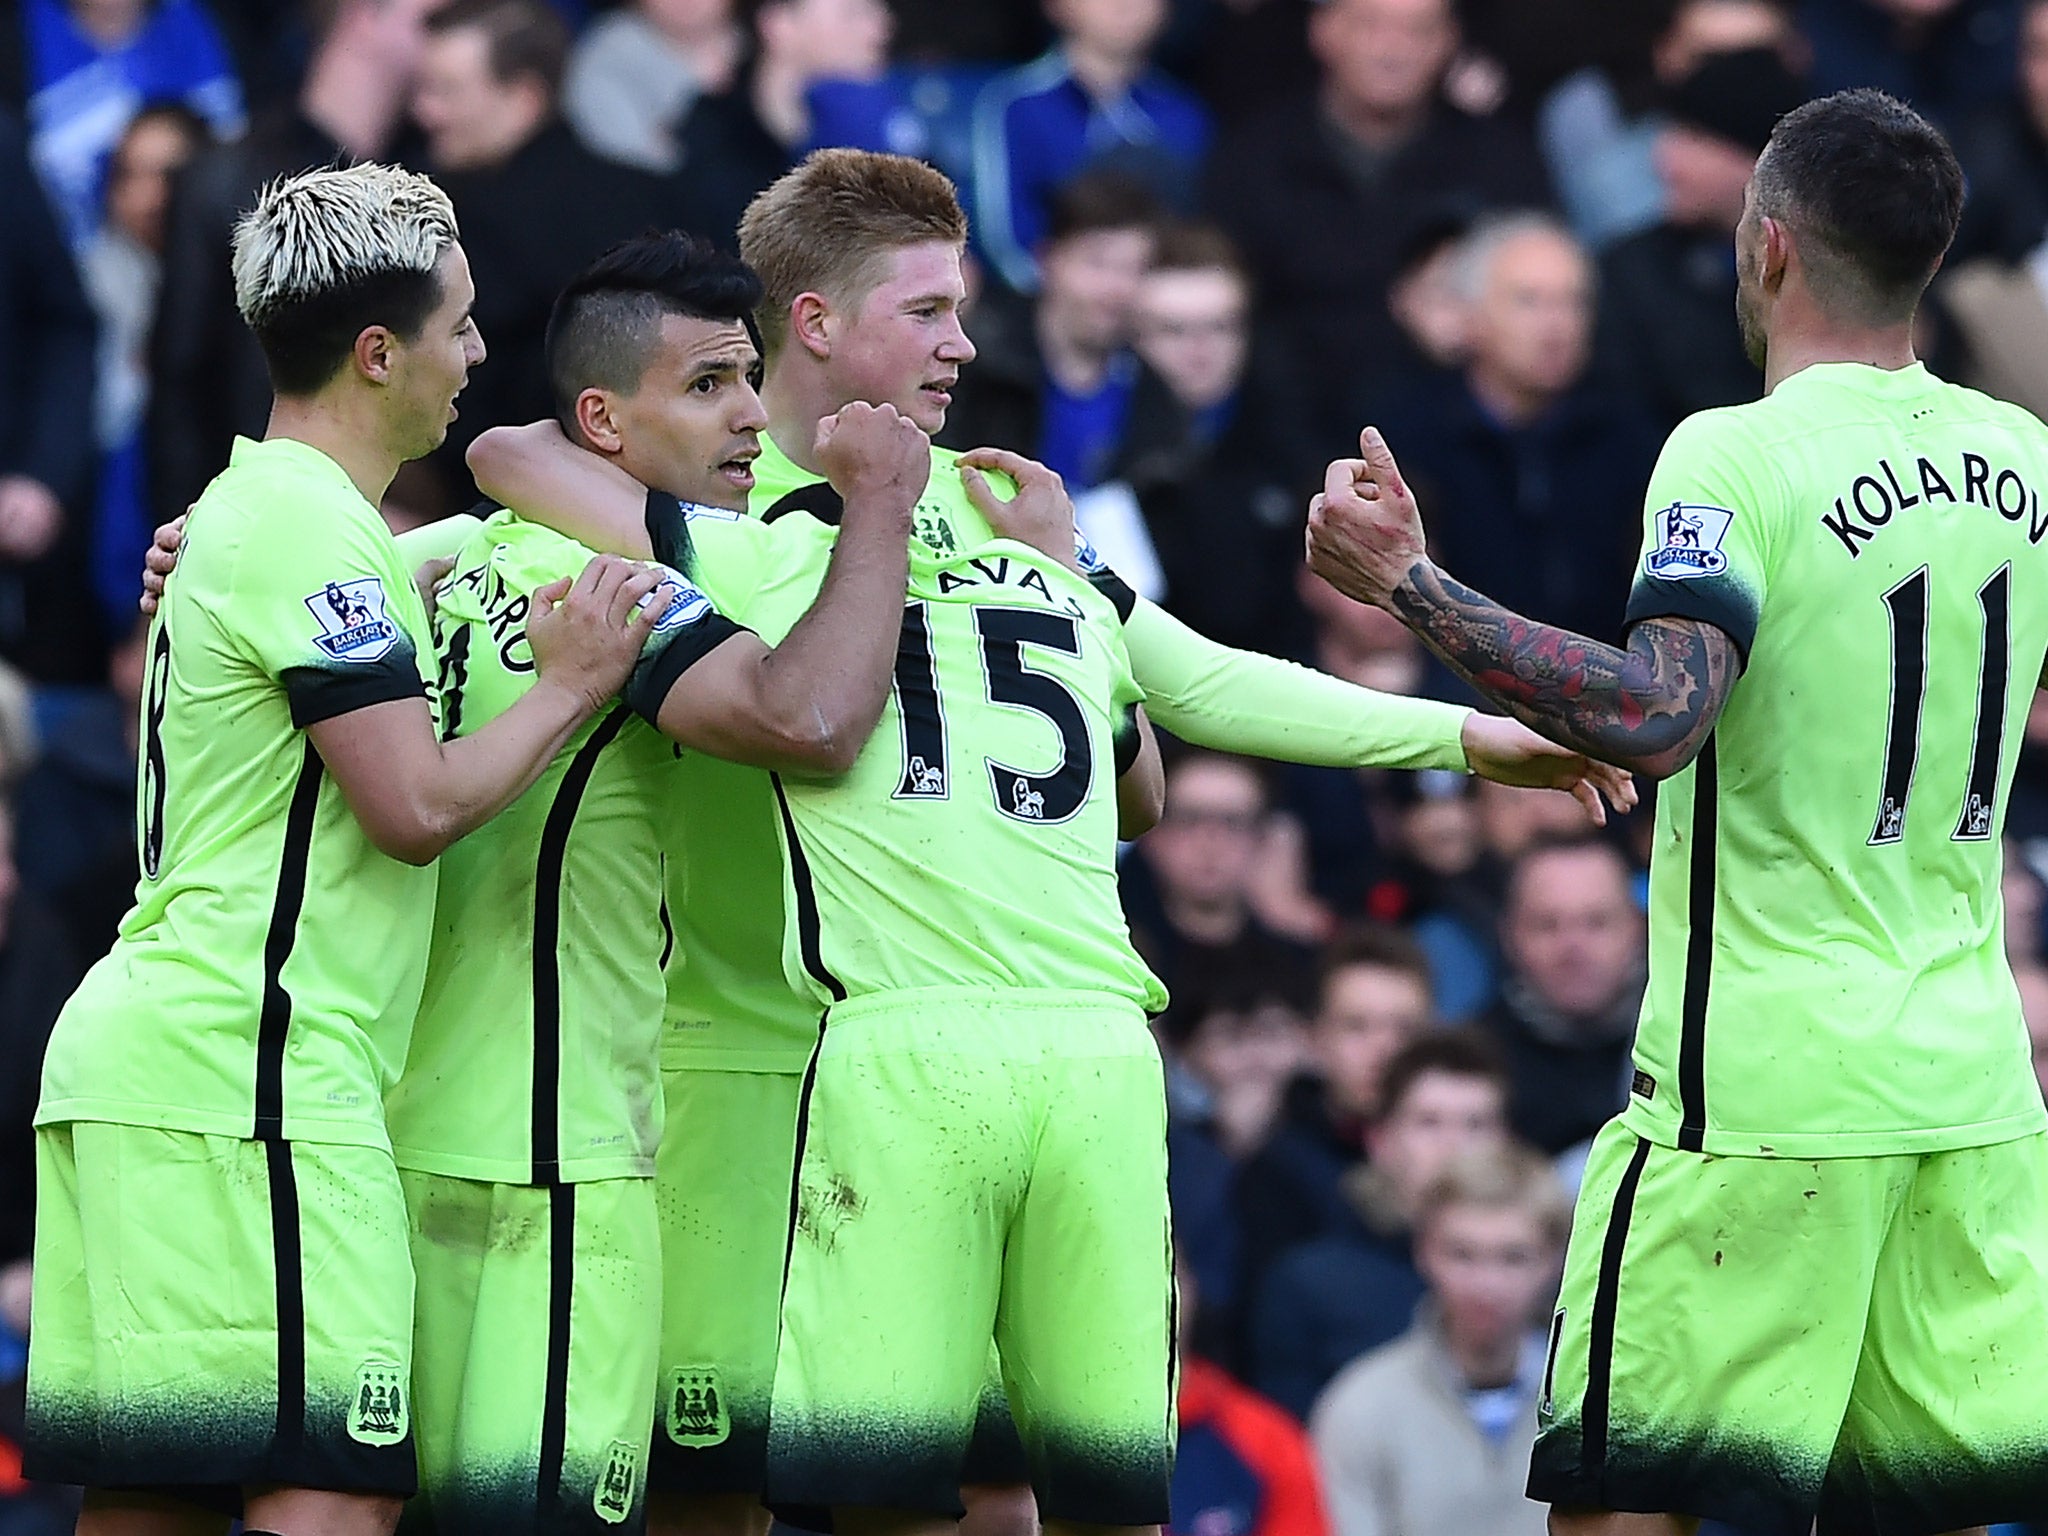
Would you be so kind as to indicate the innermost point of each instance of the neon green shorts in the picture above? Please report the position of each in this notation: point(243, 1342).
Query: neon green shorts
point(722, 1179)
point(979, 1165)
point(533, 1375)
point(211, 1313)
point(1758, 1340)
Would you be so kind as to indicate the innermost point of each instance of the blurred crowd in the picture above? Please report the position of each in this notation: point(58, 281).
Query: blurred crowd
point(1212, 238)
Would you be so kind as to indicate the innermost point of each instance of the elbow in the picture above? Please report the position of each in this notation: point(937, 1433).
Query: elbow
point(417, 837)
point(821, 747)
point(1656, 767)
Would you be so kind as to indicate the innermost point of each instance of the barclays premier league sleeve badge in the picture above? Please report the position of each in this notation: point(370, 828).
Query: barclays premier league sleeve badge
point(353, 626)
point(1688, 544)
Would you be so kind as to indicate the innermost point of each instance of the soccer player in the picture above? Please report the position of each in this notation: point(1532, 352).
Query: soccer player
point(860, 255)
point(525, 1123)
point(1809, 1271)
point(222, 1297)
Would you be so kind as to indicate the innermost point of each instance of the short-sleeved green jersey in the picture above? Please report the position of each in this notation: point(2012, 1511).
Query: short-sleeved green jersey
point(534, 1057)
point(1827, 971)
point(973, 842)
point(264, 982)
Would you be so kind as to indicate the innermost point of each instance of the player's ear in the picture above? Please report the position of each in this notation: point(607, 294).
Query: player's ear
point(1776, 254)
point(810, 324)
point(374, 353)
point(594, 420)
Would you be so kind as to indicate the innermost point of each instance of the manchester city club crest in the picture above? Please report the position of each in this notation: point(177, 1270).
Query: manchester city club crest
point(379, 1415)
point(352, 622)
point(696, 1407)
point(935, 532)
point(613, 1499)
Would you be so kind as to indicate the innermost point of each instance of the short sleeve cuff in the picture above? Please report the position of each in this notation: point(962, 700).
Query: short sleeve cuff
point(317, 694)
point(1723, 604)
point(648, 688)
point(1116, 589)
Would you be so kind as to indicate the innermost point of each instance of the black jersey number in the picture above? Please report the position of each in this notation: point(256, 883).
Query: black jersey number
point(1907, 608)
point(1008, 679)
point(154, 788)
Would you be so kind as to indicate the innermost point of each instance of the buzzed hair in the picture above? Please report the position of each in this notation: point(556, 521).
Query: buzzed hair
point(327, 253)
point(826, 227)
point(1873, 194)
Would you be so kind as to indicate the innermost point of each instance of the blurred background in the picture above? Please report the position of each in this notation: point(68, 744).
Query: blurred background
point(1212, 238)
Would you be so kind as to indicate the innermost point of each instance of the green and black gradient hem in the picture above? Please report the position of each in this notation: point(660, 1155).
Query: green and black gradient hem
point(736, 1464)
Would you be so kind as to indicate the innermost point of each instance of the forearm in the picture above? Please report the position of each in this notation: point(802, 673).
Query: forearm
point(1214, 696)
point(484, 772)
point(1647, 707)
point(1141, 788)
point(824, 686)
point(544, 477)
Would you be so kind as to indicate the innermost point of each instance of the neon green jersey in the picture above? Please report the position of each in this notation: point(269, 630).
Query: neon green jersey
point(973, 842)
point(728, 1005)
point(534, 1058)
point(265, 980)
point(1827, 970)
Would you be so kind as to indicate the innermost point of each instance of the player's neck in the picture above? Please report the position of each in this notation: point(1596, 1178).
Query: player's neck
point(796, 401)
point(1794, 349)
point(319, 423)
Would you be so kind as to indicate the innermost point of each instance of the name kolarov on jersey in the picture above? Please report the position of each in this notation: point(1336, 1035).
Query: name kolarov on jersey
point(1877, 496)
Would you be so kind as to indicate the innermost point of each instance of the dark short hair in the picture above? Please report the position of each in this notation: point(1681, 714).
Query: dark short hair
point(1380, 946)
point(1096, 201)
point(1179, 756)
point(522, 37)
point(1873, 192)
point(1188, 246)
point(606, 323)
point(1451, 1052)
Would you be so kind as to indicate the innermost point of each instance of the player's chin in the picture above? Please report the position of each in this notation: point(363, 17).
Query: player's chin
point(928, 409)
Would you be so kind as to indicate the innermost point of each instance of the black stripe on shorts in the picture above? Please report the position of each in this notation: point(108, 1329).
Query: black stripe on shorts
point(554, 1418)
point(1593, 1414)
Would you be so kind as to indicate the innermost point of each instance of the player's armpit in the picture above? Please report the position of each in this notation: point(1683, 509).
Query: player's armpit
point(1647, 707)
point(547, 479)
point(1141, 787)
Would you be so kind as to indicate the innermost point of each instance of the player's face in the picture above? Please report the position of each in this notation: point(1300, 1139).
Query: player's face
point(1488, 1268)
point(1369, 1012)
point(1751, 311)
point(693, 426)
point(903, 344)
point(430, 370)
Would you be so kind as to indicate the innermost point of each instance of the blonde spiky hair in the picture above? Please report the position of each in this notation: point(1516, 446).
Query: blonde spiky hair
point(324, 230)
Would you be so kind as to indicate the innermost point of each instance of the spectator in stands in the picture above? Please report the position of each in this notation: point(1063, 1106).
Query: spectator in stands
point(1056, 376)
point(737, 140)
point(1994, 290)
point(208, 382)
point(1189, 888)
point(76, 840)
point(1943, 56)
point(1531, 474)
point(1321, 192)
point(2032, 980)
point(1225, 494)
point(38, 969)
point(636, 71)
point(1426, 300)
point(122, 268)
point(85, 67)
point(46, 443)
point(2025, 900)
point(1430, 1435)
point(1230, 1051)
point(1374, 1000)
point(1667, 295)
point(1243, 1466)
point(1572, 939)
point(535, 205)
point(1093, 100)
point(1602, 127)
point(1326, 1302)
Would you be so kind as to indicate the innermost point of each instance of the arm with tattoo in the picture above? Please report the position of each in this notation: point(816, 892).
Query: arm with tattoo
point(1648, 707)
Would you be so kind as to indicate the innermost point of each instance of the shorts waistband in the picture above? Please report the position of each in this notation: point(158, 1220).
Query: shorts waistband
point(1009, 1002)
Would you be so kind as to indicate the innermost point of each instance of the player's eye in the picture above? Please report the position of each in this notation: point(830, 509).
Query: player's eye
point(705, 383)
